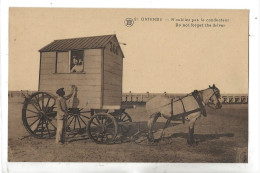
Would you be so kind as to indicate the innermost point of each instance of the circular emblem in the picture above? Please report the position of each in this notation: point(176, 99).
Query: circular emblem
point(129, 22)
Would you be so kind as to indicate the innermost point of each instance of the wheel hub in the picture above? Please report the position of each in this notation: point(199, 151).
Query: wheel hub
point(42, 114)
point(102, 129)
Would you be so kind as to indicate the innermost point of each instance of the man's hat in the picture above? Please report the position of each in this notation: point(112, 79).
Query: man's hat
point(59, 91)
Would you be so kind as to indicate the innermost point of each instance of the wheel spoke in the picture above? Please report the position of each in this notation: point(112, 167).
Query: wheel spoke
point(52, 104)
point(69, 117)
point(48, 102)
point(37, 101)
point(51, 123)
point(35, 107)
point(43, 101)
point(34, 122)
point(83, 121)
point(109, 124)
point(31, 111)
point(32, 116)
point(95, 124)
point(98, 120)
point(71, 121)
point(85, 116)
point(78, 122)
point(37, 126)
point(74, 124)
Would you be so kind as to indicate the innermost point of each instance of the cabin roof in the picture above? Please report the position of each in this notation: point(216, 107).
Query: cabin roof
point(93, 42)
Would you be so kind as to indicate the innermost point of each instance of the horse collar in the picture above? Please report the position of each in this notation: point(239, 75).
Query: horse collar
point(199, 100)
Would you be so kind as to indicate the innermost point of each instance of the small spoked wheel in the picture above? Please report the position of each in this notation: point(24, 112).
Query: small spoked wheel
point(102, 128)
point(124, 122)
point(77, 120)
point(38, 115)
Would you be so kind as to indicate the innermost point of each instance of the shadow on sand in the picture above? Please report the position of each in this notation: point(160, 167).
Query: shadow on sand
point(139, 132)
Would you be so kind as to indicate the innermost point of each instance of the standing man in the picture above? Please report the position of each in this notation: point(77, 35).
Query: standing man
point(62, 114)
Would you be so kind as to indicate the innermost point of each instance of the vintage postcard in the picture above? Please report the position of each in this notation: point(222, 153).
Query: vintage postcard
point(128, 85)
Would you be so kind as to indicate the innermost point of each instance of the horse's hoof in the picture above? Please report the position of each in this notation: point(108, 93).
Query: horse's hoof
point(150, 139)
point(189, 142)
point(192, 142)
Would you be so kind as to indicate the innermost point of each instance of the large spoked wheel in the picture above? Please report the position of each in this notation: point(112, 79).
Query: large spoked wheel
point(102, 128)
point(38, 115)
point(124, 121)
point(77, 120)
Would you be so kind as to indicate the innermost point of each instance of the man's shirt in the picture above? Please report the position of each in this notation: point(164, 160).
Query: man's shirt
point(61, 107)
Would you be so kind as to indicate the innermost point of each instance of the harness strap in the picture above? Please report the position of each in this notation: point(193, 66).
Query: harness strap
point(186, 113)
point(184, 110)
point(195, 94)
point(171, 107)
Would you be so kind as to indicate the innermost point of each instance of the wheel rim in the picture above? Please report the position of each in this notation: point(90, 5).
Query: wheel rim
point(124, 122)
point(102, 128)
point(77, 120)
point(38, 115)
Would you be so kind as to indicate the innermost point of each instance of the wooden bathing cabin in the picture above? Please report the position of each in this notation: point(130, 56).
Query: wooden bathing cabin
point(93, 64)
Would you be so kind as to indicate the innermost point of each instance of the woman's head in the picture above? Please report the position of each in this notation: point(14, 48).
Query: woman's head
point(75, 60)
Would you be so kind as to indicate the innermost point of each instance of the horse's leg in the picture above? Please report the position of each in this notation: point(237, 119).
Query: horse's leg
point(165, 126)
point(191, 139)
point(150, 123)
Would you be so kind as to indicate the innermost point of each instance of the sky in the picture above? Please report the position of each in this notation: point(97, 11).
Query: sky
point(159, 56)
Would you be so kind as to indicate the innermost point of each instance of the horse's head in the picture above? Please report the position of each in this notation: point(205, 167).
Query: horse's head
point(214, 98)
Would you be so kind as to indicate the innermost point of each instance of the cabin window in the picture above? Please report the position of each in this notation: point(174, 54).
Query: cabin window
point(70, 62)
point(77, 61)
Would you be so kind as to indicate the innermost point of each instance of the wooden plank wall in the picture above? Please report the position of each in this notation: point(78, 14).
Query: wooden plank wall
point(88, 83)
point(62, 62)
point(113, 69)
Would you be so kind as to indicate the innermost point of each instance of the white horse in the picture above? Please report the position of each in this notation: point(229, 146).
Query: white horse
point(189, 107)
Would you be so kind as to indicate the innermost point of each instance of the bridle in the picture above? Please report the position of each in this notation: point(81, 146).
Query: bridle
point(216, 93)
